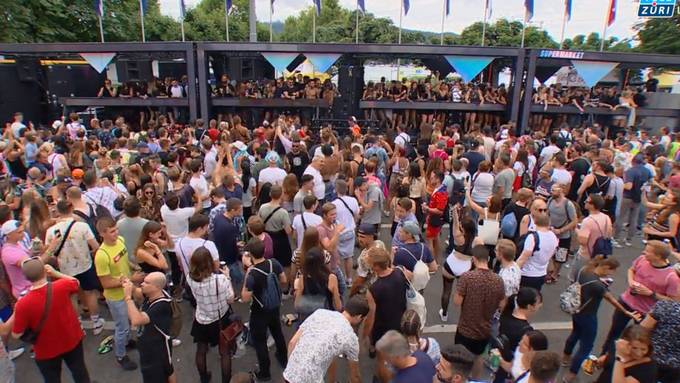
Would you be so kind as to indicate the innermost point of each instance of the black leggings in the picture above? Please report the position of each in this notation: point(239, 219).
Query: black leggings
point(447, 289)
point(202, 366)
point(75, 361)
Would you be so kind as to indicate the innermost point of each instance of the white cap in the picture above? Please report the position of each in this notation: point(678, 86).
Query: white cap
point(56, 124)
point(10, 226)
point(239, 145)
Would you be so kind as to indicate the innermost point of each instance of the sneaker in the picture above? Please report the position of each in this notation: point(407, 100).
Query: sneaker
point(616, 244)
point(270, 342)
point(13, 354)
point(442, 316)
point(127, 364)
point(98, 326)
point(348, 282)
point(627, 243)
point(176, 342)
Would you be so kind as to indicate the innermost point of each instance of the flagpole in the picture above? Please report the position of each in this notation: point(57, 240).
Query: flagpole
point(101, 27)
point(524, 26)
point(141, 17)
point(226, 20)
point(271, 31)
point(401, 15)
point(314, 25)
point(564, 24)
point(606, 24)
point(441, 39)
point(182, 28)
point(486, 12)
point(357, 25)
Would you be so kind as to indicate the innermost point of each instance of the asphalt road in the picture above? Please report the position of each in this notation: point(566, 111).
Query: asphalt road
point(550, 319)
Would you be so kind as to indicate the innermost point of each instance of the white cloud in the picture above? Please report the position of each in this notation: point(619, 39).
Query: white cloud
point(587, 15)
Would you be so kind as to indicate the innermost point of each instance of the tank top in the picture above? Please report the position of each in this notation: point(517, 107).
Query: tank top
point(600, 185)
point(389, 293)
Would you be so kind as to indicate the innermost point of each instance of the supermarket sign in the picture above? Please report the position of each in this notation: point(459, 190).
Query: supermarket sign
point(573, 55)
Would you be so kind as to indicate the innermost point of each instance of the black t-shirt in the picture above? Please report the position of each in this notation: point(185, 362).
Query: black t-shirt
point(257, 282)
point(151, 342)
point(389, 294)
point(226, 234)
point(580, 167)
point(298, 163)
point(513, 329)
point(609, 100)
point(591, 293)
point(643, 372)
point(651, 85)
point(186, 196)
point(474, 159)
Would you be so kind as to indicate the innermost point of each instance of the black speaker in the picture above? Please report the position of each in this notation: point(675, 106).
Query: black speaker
point(27, 68)
point(351, 87)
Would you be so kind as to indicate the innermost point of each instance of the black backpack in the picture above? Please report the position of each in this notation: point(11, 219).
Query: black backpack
point(457, 195)
point(90, 220)
point(523, 238)
point(271, 294)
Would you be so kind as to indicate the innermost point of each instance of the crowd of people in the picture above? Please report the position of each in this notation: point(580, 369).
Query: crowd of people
point(212, 216)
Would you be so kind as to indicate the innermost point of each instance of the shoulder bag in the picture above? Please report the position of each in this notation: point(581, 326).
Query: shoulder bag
point(30, 335)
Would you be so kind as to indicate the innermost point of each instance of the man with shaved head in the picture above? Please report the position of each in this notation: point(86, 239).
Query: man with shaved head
point(153, 320)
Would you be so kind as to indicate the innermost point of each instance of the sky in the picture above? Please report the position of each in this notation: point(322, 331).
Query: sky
point(587, 15)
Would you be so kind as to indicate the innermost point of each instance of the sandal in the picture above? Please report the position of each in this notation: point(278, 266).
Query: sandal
point(106, 345)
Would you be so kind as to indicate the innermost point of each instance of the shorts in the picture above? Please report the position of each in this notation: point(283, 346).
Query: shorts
point(346, 244)
point(88, 279)
point(6, 313)
point(209, 333)
point(475, 346)
point(432, 232)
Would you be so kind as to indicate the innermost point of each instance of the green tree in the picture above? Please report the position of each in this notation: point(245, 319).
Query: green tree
point(659, 35)
point(592, 43)
point(504, 33)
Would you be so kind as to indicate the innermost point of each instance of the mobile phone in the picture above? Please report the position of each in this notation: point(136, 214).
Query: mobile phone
point(57, 234)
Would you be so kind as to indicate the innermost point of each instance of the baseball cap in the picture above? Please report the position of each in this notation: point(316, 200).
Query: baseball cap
point(77, 174)
point(411, 228)
point(64, 180)
point(10, 226)
point(366, 229)
point(272, 157)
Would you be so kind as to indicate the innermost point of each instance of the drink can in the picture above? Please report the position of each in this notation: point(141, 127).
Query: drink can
point(589, 365)
point(494, 361)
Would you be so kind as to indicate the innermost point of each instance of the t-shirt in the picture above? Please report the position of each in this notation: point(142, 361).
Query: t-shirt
point(561, 214)
point(662, 280)
point(438, 200)
point(298, 163)
point(298, 205)
point(513, 329)
point(637, 175)
point(113, 261)
point(591, 293)
point(130, 229)
point(482, 187)
point(226, 235)
point(511, 276)
point(200, 186)
point(12, 255)
point(372, 216)
point(325, 335)
point(274, 176)
point(474, 159)
point(278, 221)
point(422, 371)
point(543, 188)
point(256, 282)
point(537, 263)
point(303, 221)
point(479, 304)
point(74, 257)
point(580, 167)
point(408, 253)
point(665, 340)
point(319, 186)
point(61, 331)
point(561, 176)
point(185, 247)
point(504, 179)
point(153, 344)
point(176, 221)
point(345, 215)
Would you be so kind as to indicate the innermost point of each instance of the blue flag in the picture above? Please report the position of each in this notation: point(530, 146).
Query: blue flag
point(362, 5)
point(182, 9)
point(448, 7)
point(529, 6)
point(567, 9)
point(407, 5)
point(228, 5)
point(99, 7)
point(317, 4)
point(142, 6)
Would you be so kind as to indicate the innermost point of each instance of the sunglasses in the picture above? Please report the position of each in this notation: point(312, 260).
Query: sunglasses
point(149, 193)
point(542, 210)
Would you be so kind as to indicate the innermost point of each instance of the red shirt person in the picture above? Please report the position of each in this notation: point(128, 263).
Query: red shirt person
point(60, 338)
point(439, 200)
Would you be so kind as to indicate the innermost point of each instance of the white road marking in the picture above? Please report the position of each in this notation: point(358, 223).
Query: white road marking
point(543, 326)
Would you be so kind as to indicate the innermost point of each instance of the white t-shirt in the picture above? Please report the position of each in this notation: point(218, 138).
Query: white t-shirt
point(16, 129)
point(177, 221)
point(345, 217)
point(402, 139)
point(537, 263)
point(74, 257)
point(274, 176)
point(319, 186)
point(185, 247)
point(200, 186)
point(548, 152)
point(324, 335)
point(248, 191)
point(561, 176)
point(489, 145)
point(311, 220)
point(482, 187)
point(210, 163)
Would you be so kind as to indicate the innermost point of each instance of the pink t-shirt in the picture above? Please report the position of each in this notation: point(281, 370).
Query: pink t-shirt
point(441, 154)
point(12, 255)
point(663, 280)
point(596, 226)
point(326, 232)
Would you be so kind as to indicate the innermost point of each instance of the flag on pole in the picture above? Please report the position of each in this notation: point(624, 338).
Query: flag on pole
point(99, 7)
point(142, 7)
point(529, 9)
point(361, 5)
point(448, 7)
point(489, 9)
point(228, 5)
point(317, 4)
point(272, 6)
point(612, 13)
point(182, 9)
point(407, 5)
point(567, 9)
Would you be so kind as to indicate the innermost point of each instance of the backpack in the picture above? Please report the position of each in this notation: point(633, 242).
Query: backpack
point(566, 210)
point(421, 273)
point(603, 245)
point(175, 316)
point(457, 195)
point(90, 220)
point(409, 150)
point(100, 211)
point(526, 180)
point(570, 299)
point(509, 225)
point(563, 140)
point(271, 295)
point(523, 239)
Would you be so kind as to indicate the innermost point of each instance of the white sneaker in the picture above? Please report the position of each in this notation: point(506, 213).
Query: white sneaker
point(444, 318)
point(13, 354)
point(628, 243)
point(176, 342)
point(270, 342)
point(98, 326)
point(616, 244)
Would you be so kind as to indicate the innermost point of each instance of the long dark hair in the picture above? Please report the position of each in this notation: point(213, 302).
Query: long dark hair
point(246, 175)
point(525, 297)
point(469, 227)
point(314, 266)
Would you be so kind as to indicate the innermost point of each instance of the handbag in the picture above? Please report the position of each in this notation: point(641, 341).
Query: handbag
point(489, 230)
point(31, 335)
point(229, 333)
point(416, 302)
